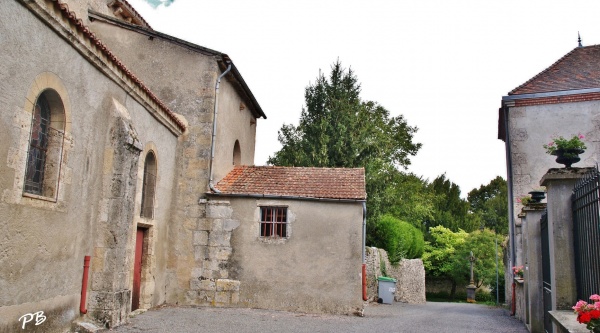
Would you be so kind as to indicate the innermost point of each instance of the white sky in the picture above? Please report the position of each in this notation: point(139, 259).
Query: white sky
point(444, 65)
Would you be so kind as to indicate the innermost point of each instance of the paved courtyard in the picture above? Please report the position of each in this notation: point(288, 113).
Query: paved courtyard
point(398, 317)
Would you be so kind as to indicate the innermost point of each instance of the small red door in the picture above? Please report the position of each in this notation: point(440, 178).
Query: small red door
point(137, 269)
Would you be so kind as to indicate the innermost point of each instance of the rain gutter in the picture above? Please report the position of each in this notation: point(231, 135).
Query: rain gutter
point(290, 197)
point(550, 94)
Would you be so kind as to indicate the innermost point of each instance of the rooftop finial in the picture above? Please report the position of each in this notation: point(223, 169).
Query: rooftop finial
point(579, 39)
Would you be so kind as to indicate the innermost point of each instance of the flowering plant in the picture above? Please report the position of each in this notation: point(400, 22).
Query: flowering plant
point(589, 314)
point(524, 200)
point(518, 271)
point(560, 143)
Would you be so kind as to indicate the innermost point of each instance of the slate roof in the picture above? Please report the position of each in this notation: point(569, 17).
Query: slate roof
point(274, 181)
point(578, 69)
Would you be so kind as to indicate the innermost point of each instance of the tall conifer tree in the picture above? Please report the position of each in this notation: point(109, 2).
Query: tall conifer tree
point(338, 129)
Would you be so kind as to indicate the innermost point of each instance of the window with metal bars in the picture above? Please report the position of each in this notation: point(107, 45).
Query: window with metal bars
point(46, 139)
point(149, 186)
point(38, 147)
point(273, 222)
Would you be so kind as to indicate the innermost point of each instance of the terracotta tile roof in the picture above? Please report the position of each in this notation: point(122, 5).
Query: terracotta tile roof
point(95, 41)
point(322, 183)
point(578, 69)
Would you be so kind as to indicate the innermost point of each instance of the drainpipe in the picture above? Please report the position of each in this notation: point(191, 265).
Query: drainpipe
point(511, 214)
point(84, 283)
point(364, 259)
point(214, 132)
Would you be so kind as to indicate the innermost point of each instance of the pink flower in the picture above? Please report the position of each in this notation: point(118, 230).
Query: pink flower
point(581, 136)
point(580, 306)
point(595, 297)
point(551, 144)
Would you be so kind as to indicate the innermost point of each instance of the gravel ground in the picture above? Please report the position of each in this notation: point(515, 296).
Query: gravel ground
point(385, 318)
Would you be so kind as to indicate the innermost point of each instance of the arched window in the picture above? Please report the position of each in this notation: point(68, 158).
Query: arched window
point(237, 153)
point(46, 139)
point(149, 186)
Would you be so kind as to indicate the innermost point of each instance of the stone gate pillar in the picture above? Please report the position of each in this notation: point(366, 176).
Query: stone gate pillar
point(532, 215)
point(559, 184)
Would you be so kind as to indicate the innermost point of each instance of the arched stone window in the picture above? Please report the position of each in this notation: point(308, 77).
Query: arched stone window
point(237, 153)
point(46, 140)
point(149, 186)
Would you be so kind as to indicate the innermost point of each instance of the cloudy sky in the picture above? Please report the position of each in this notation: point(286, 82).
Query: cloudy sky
point(443, 64)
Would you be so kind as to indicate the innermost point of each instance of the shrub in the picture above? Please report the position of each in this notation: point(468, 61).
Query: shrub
point(400, 239)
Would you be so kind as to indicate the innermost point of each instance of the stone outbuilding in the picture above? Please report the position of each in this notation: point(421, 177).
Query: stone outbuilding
point(296, 236)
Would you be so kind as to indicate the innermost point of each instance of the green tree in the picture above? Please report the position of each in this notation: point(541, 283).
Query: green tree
point(410, 200)
point(450, 210)
point(490, 204)
point(440, 252)
point(447, 256)
point(338, 129)
point(483, 245)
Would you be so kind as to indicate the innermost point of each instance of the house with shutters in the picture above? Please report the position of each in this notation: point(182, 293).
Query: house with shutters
point(122, 151)
point(562, 100)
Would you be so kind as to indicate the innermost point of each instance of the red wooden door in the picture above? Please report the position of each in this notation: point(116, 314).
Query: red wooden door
point(137, 269)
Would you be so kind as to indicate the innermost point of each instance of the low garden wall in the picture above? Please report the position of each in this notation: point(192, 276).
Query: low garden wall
point(410, 274)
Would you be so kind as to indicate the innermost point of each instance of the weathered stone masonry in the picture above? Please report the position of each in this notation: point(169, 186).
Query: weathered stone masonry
point(209, 282)
point(110, 294)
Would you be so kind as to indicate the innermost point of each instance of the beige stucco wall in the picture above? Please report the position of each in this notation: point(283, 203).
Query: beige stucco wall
point(317, 269)
point(533, 126)
point(233, 124)
point(43, 243)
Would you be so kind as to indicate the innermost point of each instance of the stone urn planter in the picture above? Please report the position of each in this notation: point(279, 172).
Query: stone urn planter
point(567, 157)
point(537, 196)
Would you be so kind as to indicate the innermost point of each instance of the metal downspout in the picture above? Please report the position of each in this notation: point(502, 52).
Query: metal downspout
point(364, 230)
point(214, 131)
point(364, 259)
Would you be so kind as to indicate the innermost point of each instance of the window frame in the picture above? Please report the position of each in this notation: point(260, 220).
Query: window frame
point(274, 222)
point(149, 180)
point(46, 141)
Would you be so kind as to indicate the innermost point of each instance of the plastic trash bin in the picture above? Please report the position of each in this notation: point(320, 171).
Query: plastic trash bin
point(387, 289)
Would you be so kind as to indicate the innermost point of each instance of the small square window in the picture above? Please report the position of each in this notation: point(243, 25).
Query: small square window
point(273, 222)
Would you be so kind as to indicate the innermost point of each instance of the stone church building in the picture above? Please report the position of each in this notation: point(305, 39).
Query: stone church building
point(127, 180)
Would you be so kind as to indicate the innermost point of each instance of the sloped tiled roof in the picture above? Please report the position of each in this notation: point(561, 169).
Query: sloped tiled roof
point(578, 69)
point(273, 181)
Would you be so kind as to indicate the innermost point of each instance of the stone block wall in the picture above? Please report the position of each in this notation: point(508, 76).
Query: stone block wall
point(410, 274)
point(209, 282)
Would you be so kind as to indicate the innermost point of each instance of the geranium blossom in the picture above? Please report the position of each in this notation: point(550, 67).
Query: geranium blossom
point(589, 314)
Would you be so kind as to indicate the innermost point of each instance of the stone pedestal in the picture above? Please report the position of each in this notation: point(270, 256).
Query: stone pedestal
point(559, 184)
point(471, 293)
